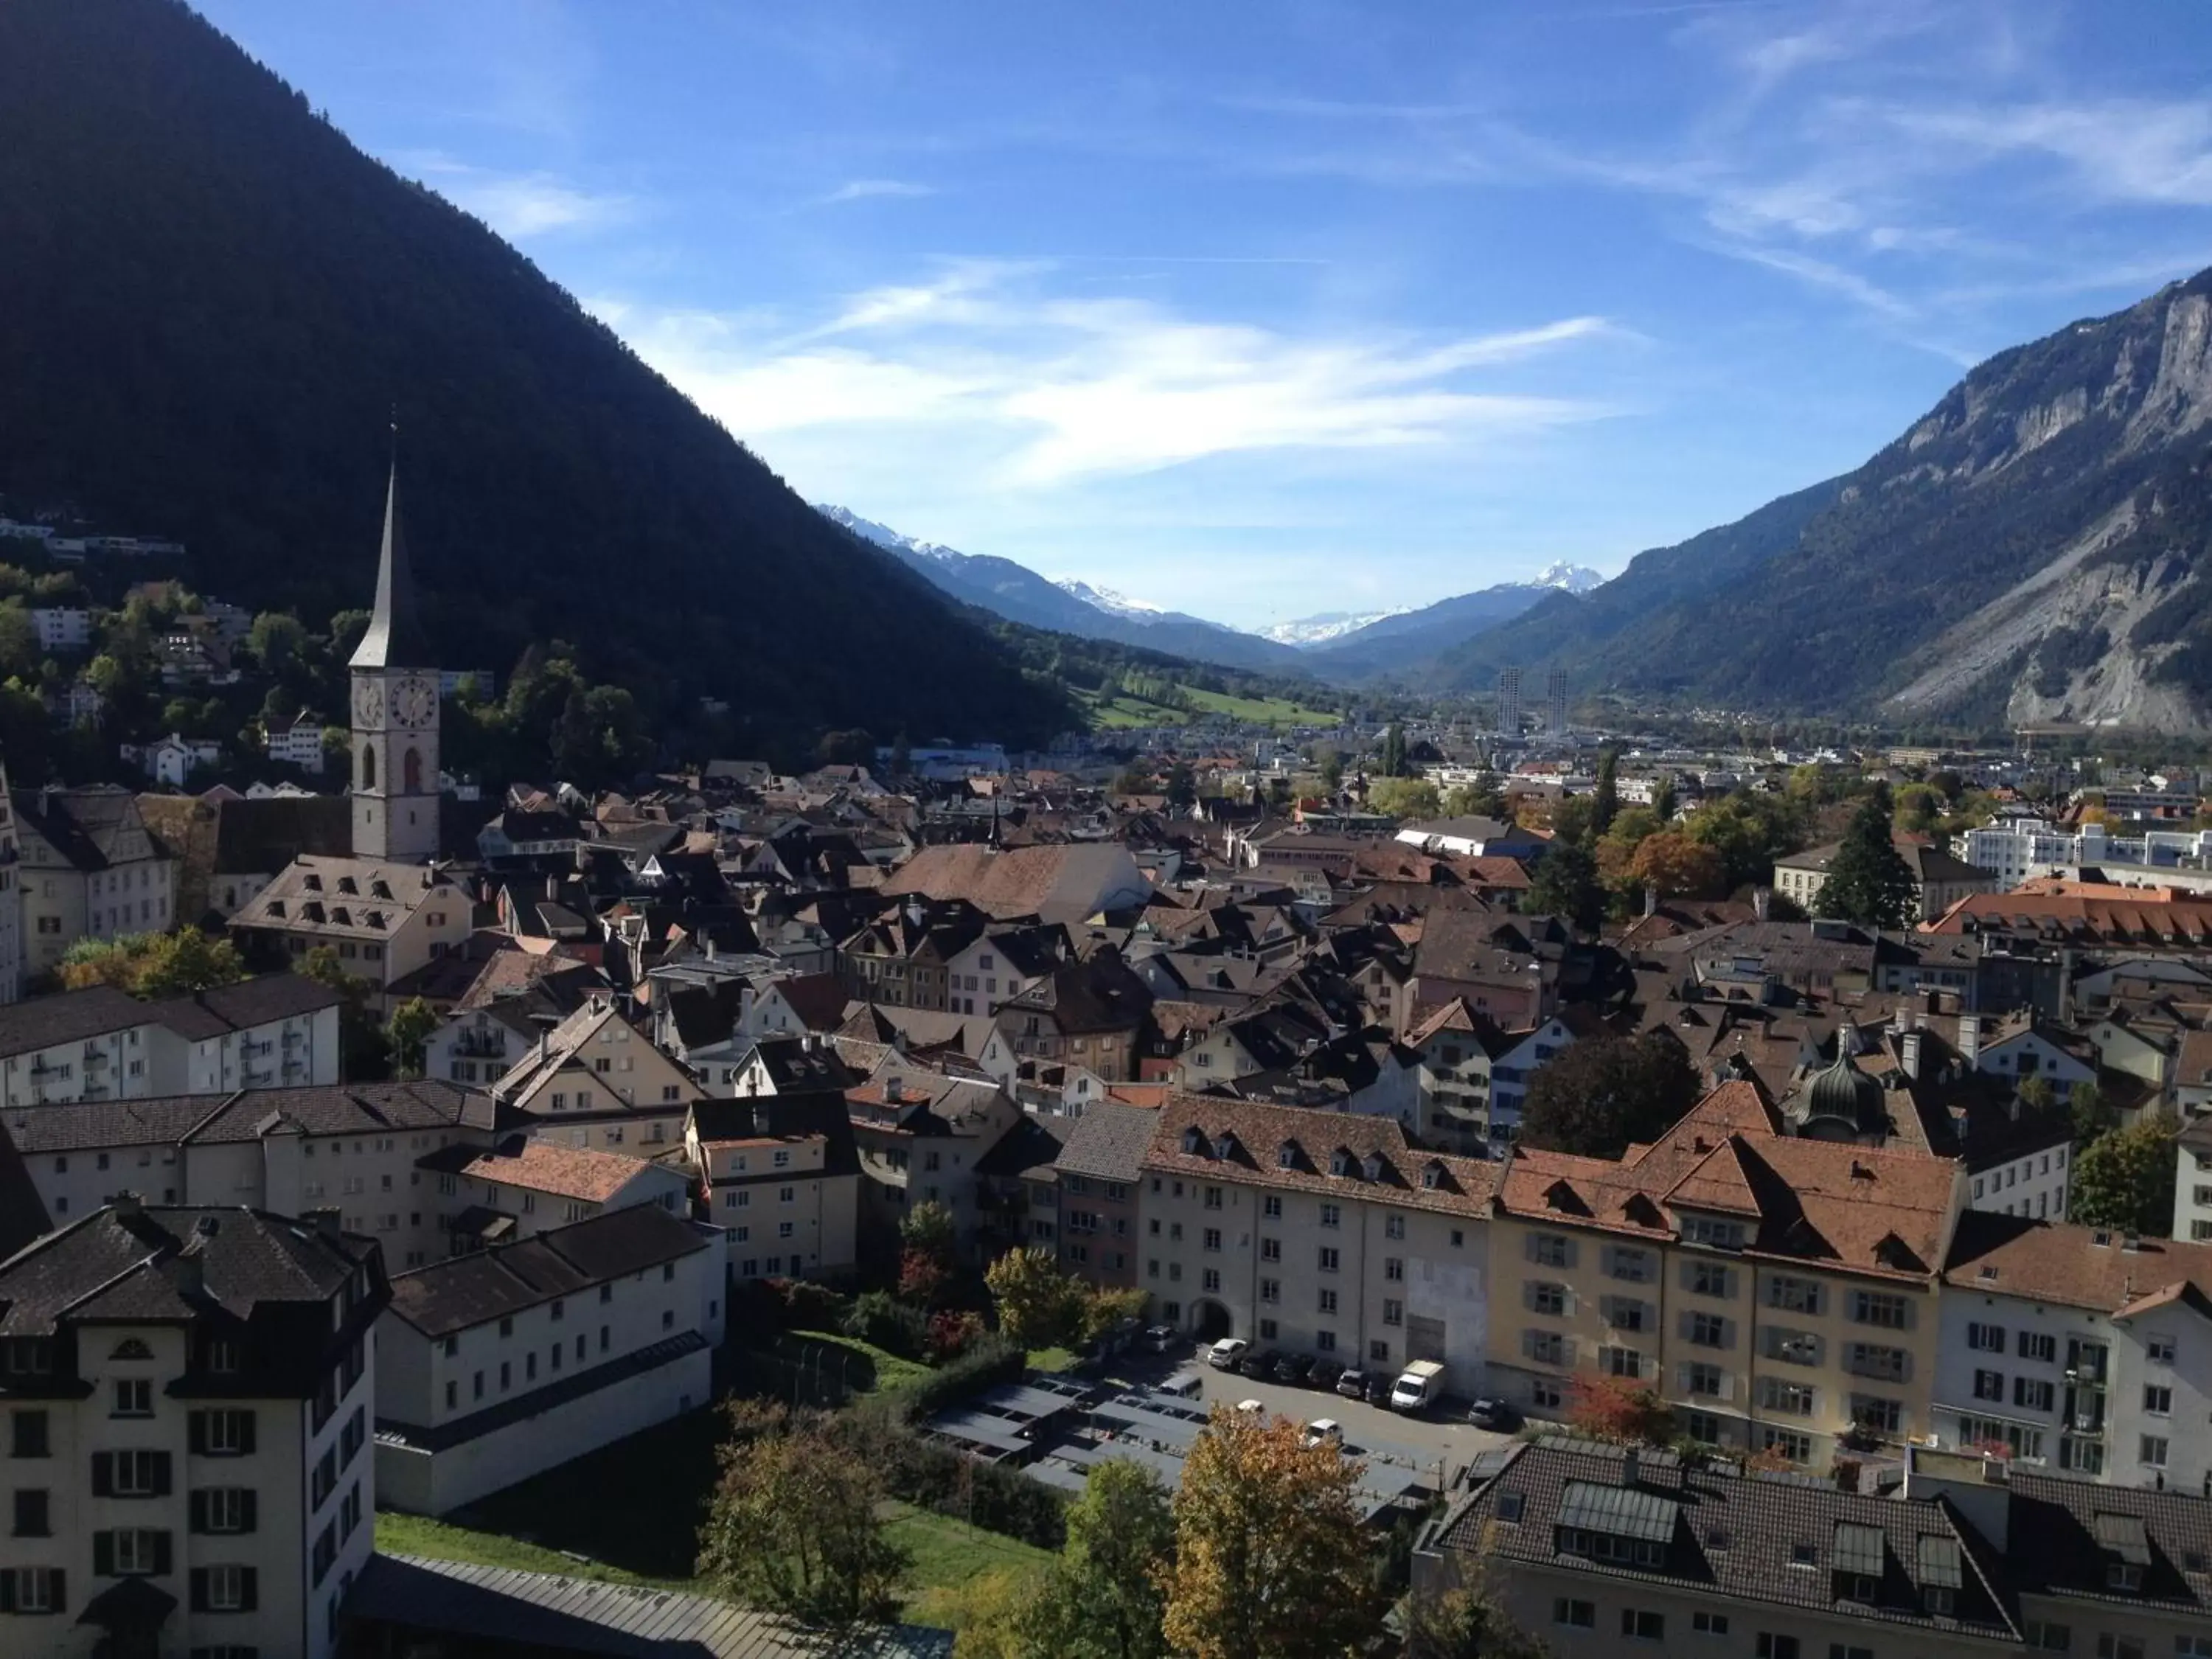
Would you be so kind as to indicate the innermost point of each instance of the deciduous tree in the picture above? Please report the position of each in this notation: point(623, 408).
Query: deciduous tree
point(409, 1029)
point(794, 1524)
point(1604, 1093)
point(1609, 1408)
point(1677, 866)
point(1270, 1553)
point(1038, 1304)
point(2125, 1179)
point(1103, 1597)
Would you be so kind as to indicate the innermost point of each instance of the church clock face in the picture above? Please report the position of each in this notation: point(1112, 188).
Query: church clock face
point(416, 703)
point(367, 702)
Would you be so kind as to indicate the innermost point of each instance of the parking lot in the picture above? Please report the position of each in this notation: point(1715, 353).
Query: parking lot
point(1418, 1440)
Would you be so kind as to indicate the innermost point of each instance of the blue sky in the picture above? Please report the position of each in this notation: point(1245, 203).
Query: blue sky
point(1258, 310)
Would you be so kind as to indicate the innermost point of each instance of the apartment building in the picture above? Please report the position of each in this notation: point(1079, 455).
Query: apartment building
point(596, 1080)
point(1779, 1294)
point(508, 1362)
point(523, 1186)
point(89, 869)
point(1098, 1222)
point(101, 1044)
point(355, 1150)
point(384, 920)
point(1327, 1233)
point(780, 1175)
point(2078, 1349)
point(921, 1136)
point(187, 1395)
point(1603, 1550)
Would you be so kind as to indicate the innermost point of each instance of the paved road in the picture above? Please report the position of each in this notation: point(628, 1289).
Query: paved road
point(1398, 1436)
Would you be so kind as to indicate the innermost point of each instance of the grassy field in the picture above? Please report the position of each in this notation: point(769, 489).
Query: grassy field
point(892, 1374)
point(416, 1535)
point(948, 1555)
point(1125, 713)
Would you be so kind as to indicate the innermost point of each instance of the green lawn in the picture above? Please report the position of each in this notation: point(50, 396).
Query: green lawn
point(417, 1534)
point(1053, 1359)
point(948, 1553)
point(1123, 713)
point(892, 1374)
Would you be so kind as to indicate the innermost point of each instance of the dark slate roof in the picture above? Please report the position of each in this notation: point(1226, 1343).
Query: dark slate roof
point(806, 1115)
point(92, 828)
point(1028, 1151)
point(249, 1114)
point(1110, 1141)
point(22, 1212)
point(796, 1063)
point(116, 1264)
point(78, 1016)
point(1780, 1540)
point(470, 1290)
point(2065, 1533)
point(395, 638)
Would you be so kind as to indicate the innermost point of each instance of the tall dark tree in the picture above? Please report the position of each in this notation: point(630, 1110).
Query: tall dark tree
point(1663, 797)
point(1605, 800)
point(1565, 884)
point(1603, 1094)
point(1394, 751)
point(1867, 882)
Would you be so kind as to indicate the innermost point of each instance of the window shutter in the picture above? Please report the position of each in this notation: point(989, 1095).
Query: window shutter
point(103, 1554)
point(162, 1561)
point(1728, 1334)
point(199, 1595)
point(249, 1588)
point(196, 1433)
point(1682, 1326)
point(249, 1519)
point(199, 1508)
point(162, 1477)
point(245, 1432)
point(59, 1582)
point(7, 1592)
point(103, 1475)
point(1527, 1344)
point(1728, 1385)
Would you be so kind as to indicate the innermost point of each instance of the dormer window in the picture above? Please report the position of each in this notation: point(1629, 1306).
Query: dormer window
point(348, 885)
point(1432, 1175)
point(1223, 1145)
point(1286, 1155)
point(1194, 1142)
point(1339, 1162)
point(131, 1348)
point(1372, 1166)
point(380, 888)
point(313, 882)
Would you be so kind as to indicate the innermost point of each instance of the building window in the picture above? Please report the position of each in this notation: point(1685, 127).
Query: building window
point(1331, 1215)
point(1394, 1312)
point(1772, 1646)
point(1708, 1330)
point(1879, 1308)
point(1327, 1303)
point(1796, 1295)
point(134, 1397)
point(1394, 1226)
point(2039, 1345)
point(1986, 1339)
point(2154, 1451)
point(1574, 1613)
point(2157, 1400)
point(1640, 1626)
point(1788, 1445)
point(32, 1519)
point(1548, 1299)
point(1328, 1259)
point(1709, 1623)
point(1550, 1250)
point(1990, 1385)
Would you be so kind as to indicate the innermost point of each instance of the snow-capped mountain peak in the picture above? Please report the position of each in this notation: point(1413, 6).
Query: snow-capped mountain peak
point(1572, 578)
point(883, 536)
point(1106, 600)
point(1327, 625)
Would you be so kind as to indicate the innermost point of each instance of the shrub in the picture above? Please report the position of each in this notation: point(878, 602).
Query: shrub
point(882, 1320)
point(808, 1306)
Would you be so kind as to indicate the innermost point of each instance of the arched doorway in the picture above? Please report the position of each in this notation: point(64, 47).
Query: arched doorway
point(1210, 1321)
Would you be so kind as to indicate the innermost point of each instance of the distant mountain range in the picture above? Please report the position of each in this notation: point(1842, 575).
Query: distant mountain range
point(1335, 645)
point(2038, 547)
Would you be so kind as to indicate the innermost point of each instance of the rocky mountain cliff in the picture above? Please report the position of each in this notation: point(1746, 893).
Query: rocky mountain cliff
point(2034, 547)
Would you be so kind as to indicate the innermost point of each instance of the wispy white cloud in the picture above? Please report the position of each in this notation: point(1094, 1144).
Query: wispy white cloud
point(862, 190)
point(521, 206)
point(2120, 150)
point(1037, 390)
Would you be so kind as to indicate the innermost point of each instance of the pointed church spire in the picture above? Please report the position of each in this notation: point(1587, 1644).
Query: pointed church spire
point(395, 637)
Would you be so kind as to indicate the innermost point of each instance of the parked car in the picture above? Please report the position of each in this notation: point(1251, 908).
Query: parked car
point(1252, 1407)
point(1294, 1367)
point(1226, 1354)
point(1378, 1389)
point(1325, 1373)
point(1260, 1362)
point(1183, 1384)
point(1353, 1385)
point(1324, 1431)
point(1161, 1338)
point(1486, 1413)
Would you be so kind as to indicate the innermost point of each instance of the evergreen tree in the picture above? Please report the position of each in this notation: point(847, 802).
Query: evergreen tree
point(1394, 751)
point(1605, 800)
point(1867, 882)
point(1565, 884)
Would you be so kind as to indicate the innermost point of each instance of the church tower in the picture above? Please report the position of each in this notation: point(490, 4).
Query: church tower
point(395, 715)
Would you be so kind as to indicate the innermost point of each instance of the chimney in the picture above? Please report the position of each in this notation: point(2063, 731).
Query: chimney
point(1910, 1057)
point(1630, 1466)
point(1651, 901)
point(187, 1272)
point(1969, 1039)
point(1762, 903)
point(125, 1206)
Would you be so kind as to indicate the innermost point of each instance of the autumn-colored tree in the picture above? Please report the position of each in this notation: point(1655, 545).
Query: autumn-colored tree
point(1038, 1304)
point(795, 1523)
point(927, 1233)
point(1270, 1557)
point(153, 964)
point(921, 1278)
point(987, 1614)
point(1466, 1622)
point(953, 1332)
point(1104, 1309)
point(1610, 1408)
point(1102, 1598)
point(1677, 866)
